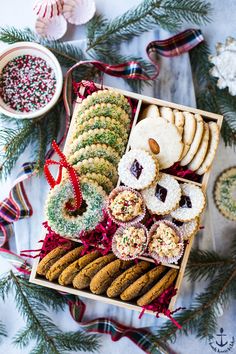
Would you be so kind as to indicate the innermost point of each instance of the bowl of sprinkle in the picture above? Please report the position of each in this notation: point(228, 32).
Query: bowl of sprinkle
point(31, 80)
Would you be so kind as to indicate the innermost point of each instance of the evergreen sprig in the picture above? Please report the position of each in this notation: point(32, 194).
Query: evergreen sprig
point(33, 303)
point(201, 318)
point(3, 332)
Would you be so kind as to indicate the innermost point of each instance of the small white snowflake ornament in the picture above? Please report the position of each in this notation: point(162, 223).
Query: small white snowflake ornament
point(225, 65)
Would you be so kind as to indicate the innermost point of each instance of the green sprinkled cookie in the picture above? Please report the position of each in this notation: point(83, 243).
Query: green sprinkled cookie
point(96, 150)
point(98, 123)
point(107, 96)
point(99, 136)
point(101, 180)
point(70, 224)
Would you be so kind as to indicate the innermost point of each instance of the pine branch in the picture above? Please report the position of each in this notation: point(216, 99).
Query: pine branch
point(3, 332)
point(146, 16)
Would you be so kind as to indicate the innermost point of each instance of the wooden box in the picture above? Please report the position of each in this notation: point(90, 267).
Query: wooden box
point(141, 101)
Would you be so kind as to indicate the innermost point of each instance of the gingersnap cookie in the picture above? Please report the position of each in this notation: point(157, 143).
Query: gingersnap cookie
point(105, 110)
point(68, 274)
point(69, 224)
point(195, 142)
point(202, 150)
point(103, 279)
point(101, 122)
point(98, 136)
point(164, 133)
point(84, 277)
point(142, 284)
point(189, 131)
point(57, 268)
point(51, 258)
point(96, 150)
point(150, 111)
point(225, 193)
point(127, 278)
point(212, 147)
point(191, 204)
point(138, 169)
point(158, 288)
point(163, 196)
point(106, 96)
point(168, 114)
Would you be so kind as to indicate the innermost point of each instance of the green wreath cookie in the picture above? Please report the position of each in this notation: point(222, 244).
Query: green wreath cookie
point(105, 110)
point(101, 180)
point(225, 193)
point(70, 224)
point(96, 150)
point(99, 136)
point(101, 122)
point(106, 96)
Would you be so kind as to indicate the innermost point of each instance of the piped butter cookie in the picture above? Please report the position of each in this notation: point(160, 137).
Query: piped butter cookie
point(150, 111)
point(201, 153)
point(191, 204)
point(138, 169)
point(163, 196)
point(189, 131)
point(168, 114)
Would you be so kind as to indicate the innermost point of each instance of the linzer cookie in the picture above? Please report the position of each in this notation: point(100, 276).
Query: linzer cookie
point(158, 289)
point(127, 278)
point(191, 204)
point(130, 242)
point(163, 196)
point(138, 169)
point(125, 206)
point(51, 258)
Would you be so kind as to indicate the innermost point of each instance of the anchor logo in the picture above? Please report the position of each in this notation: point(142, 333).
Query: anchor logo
point(221, 342)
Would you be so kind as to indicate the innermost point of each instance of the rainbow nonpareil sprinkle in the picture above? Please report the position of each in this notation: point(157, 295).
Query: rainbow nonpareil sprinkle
point(27, 83)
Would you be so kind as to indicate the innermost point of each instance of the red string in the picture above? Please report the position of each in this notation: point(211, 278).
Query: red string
point(72, 176)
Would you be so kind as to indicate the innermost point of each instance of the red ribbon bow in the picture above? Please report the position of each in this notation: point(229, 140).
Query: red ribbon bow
point(72, 176)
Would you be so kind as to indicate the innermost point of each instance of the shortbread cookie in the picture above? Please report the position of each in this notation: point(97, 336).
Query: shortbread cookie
point(166, 136)
point(142, 284)
point(106, 110)
point(57, 268)
point(187, 229)
point(189, 131)
point(195, 142)
point(106, 96)
point(95, 150)
point(127, 278)
point(66, 223)
point(224, 194)
point(138, 169)
point(84, 277)
point(51, 258)
point(191, 204)
point(98, 136)
point(68, 274)
point(150, 111)
point(103, 279)
point(213, 144)
point(179, 121)
point(101, 180)
point(202, 150)
point(168, 114)
point(158, 289)
point(163, 196)
point(98, 123)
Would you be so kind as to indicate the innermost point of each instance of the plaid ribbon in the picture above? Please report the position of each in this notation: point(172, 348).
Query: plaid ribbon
point(17, 205)
point(139, 336)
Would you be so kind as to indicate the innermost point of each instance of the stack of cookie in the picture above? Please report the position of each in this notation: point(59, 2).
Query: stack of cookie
point(194, 142)
point(98, 140)
point(106, 274)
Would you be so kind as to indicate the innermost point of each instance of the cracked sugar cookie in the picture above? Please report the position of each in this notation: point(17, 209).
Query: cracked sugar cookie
point(164, 133)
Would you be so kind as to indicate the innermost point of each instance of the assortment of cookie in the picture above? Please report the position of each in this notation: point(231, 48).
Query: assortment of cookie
point(141, 282)
point(193, 141)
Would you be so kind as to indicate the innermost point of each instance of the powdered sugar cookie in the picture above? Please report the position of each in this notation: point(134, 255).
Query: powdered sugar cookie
point(150, 111)
point(138, 169)
point(163, 196)
point(202, 150)
point(213, 143)
point(196, 141)
point(192, 203)
point(163, 132)
point(189, 131)
point(168, 114)
point(95, 150)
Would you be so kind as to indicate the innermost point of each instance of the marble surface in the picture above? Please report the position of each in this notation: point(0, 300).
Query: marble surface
point(174, 84)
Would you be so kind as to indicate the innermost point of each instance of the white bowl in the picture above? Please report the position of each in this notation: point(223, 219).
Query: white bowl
point(34, 49)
